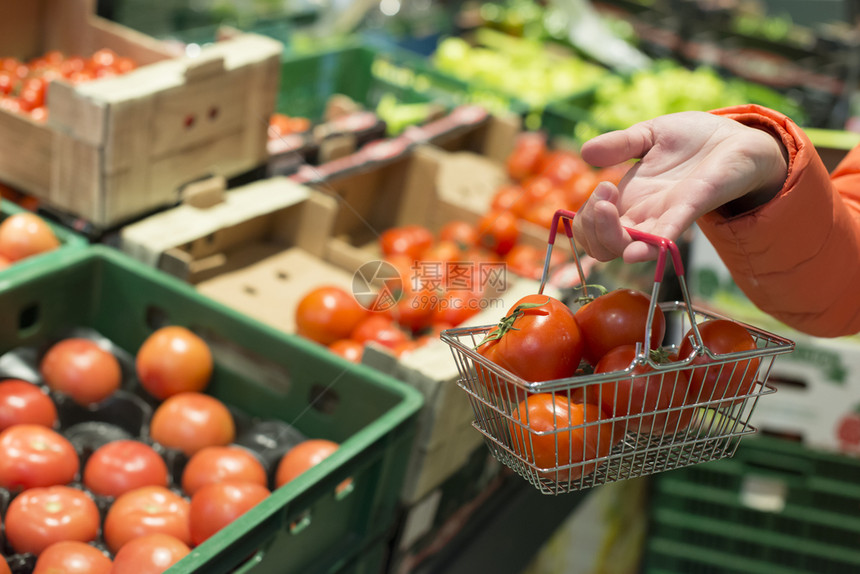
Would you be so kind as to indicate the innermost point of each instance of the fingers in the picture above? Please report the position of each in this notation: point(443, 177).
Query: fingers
point(597, 225)
point(615, 147)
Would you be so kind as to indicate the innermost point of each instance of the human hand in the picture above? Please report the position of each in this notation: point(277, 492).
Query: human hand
point(690, 164)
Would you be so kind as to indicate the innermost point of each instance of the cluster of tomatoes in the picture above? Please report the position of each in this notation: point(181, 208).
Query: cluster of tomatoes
point(542, 339)
point(24, 85)
point(24, 235)
point(119, 508)
point(545, 180)
point(432, 282)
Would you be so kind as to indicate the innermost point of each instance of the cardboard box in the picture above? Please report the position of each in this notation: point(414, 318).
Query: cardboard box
point(257, 248)
point(818, 398)
point(116, 148)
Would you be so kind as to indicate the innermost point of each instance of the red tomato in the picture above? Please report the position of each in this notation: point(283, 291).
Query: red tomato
point(328, 313)
point(25, 234)
point(149, 554)
point(640, 395)
point(220, 464)
point(25, 403)
point(4, 263)
point(7, 82)
point(436, 258)
point(348, 349)
point(527, 156)
point(103, 58)
point(216, 505)
point(538, 340)
point(409, 240)
point(526, 261)
point(39, 517)
point(173, 360)
point(563, 165)
point(124, 465)
point(729, 380)
point(192, 421)
point(617, 318)
point(379, 329)
point(507, 198)
point(498, 231)
point(415, 309)
point(146, 510)
point(4, 566)
point(462, 233)
point(543, 213)
point(553, 435)
point(301, 457)
point(538, 188)
point(33, 455)
point(81, 369)
point(72, 557)
point(456, 306)
point(579, 189)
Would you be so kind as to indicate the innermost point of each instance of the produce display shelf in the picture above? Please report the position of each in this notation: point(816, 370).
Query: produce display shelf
point(304, 526)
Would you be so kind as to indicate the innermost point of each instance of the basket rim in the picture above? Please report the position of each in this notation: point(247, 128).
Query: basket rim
point(777, 345)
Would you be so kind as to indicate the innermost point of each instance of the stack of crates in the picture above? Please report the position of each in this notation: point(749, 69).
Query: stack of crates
point(776, 507)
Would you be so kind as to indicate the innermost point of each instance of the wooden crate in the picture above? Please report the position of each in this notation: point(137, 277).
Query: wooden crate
point(116, 148)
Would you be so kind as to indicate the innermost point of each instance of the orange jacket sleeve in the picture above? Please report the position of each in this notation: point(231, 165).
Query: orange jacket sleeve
point(797, 257)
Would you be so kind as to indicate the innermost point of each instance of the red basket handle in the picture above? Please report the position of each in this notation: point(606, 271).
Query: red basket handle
point(665, 245)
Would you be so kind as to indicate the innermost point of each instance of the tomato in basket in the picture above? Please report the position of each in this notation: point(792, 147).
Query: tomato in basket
point(640, 395)
point(617, 318)
point(538, 340)
point(722, 381)
point(553, 434)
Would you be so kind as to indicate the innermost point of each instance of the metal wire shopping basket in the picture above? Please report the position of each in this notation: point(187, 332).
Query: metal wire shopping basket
point(584, 447)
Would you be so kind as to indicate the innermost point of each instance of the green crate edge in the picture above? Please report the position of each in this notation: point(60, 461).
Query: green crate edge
point(399, 422)
point(69, 240)
point(669, 487)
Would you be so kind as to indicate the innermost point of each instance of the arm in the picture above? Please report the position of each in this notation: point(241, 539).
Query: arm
point(759, 191)
point(797, 256)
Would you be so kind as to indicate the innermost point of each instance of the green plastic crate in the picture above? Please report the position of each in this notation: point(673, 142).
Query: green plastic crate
point(698, 515)
point(70, 241)
point(303, 527)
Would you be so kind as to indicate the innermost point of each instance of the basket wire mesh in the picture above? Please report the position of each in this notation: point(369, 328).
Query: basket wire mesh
point(583, 446)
